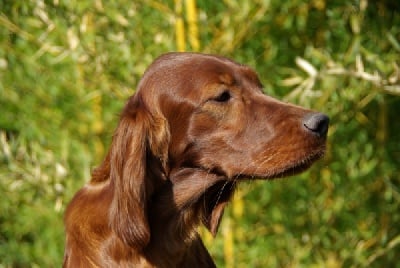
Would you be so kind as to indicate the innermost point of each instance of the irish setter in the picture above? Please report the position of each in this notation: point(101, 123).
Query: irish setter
point(197, 126)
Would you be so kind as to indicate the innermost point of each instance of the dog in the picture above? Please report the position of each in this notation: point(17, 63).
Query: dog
point(195, 128)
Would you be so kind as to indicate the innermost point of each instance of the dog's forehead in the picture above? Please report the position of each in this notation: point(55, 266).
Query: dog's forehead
point(209, 69)
point(195, 76)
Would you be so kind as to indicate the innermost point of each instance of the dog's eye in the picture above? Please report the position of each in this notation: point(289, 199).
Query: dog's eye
point(223, 97)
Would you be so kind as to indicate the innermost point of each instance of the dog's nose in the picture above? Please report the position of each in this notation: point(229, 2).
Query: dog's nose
point(317, 123)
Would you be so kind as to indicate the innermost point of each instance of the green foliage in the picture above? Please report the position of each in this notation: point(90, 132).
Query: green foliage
point(67, 67)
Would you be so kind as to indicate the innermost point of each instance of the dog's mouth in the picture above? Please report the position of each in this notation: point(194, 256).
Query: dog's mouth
point(291, 169)
point(298, 167)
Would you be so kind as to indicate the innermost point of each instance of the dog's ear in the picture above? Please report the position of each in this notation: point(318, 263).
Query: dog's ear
point(139, 134)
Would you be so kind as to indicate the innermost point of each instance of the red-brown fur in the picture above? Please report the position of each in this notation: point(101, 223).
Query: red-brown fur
point(197, 125)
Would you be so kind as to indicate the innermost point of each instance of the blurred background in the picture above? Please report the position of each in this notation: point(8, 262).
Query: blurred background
point(68, 66)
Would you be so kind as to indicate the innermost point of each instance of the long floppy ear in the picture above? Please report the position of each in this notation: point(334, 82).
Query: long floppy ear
point(138, 134)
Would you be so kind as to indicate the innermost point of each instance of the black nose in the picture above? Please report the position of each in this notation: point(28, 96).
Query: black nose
point(317, 123)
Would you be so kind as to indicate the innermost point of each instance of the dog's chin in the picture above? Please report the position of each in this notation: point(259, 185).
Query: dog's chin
point(289, 170)
point(296, 168)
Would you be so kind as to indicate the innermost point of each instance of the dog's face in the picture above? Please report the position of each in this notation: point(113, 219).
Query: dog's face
point(220, 121)
point(196, 125)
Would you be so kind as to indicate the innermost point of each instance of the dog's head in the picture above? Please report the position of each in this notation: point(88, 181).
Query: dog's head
point(203, 120)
